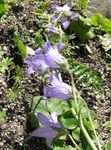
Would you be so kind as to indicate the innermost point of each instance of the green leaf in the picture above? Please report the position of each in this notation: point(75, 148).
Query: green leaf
point(3, 116)
point(82, 4)
point(87, 76)
point(6, 64)
point(3, 8)
point(33, 121)
point(57, 105)
point(69, 147)
point(82, 28)
point(102, 22)
point(97, 20)
point(68, 120)
point(76, 133)
point(38, 104)
point(106, 42)
point(20, 44)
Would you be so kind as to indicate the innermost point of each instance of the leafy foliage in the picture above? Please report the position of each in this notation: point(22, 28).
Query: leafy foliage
point(3, 116)
point(82, 4)
point(101, 22)
point(20, 44)
point(82, 28)
point(88, 76)
point(3, 7)
point(6, 64)
point(106, 42)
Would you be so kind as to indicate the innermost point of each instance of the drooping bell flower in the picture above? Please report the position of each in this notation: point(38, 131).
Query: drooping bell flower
point(63, 14)
point(57, 89)
point(36, 63)
point(47, 130)
point(53, 57)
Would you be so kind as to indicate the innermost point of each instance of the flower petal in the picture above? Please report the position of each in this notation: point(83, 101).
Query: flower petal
point(43, 119)
point(53, 58)
point(46, 46)
point(60, 46)
point(74, 16)
point(65, 22)
point(47, 132)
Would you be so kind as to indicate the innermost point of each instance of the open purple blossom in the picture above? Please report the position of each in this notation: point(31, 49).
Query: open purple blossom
point(65, 23)
point(36, 63)
point(44, 58)
point(50, 29)
point(63, 14)
point(47, 131)
point(58, 88)
point(58, 9)
point(53, 57)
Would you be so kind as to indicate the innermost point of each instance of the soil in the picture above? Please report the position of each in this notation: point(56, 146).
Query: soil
point(14, 134)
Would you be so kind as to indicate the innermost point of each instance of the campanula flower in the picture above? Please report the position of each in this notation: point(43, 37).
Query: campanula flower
point(47, 131)
point(63, 14)
point(36, 63)
point(57, 89)
point(65, 23)
point(53, 57)
point(65, 8)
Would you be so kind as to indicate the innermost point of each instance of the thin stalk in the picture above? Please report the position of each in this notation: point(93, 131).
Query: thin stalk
point(92, 145)
point(97, 139)
point(58, 18)
point(71, 138)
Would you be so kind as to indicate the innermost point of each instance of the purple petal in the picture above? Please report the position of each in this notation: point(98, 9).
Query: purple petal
point(65, 22)
point(54, 119)
point(29, 71)
point(46, 46)
point(54, 19)
point(67, 7)
point(45, 132)
point(57, 92)
point(53, 58)
point(74, 16)
point(43, 119)
point(60, 46)
point(38, 51)
point(54, 79)
point(39, 63)
point(28, 60)
point(58, 89)
point(56, 8)
point(50, 29)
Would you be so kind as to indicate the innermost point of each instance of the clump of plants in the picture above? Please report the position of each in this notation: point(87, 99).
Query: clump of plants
point(64, 119)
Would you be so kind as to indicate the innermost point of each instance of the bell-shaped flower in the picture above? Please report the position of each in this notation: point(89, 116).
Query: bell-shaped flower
point(65, 23)
point(58, 88)
point(36, 63)
point(59, 9)
point(63, 14)
point(53, 57)
point(47, 130)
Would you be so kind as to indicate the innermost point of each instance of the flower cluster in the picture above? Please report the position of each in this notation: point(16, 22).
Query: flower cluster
point(62, 15)
point(48, 56)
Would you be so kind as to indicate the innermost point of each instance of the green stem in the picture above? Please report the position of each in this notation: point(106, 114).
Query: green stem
point(97, 139)
point(71, 138)
point(58, 18)
point(92, 145)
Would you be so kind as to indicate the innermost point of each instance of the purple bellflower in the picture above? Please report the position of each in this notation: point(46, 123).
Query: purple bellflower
point(44, 58)
point(58, 88)
point(66, 15)
point(36, 63)
point(58, 9)
point(53, 57)
point(47, 131)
